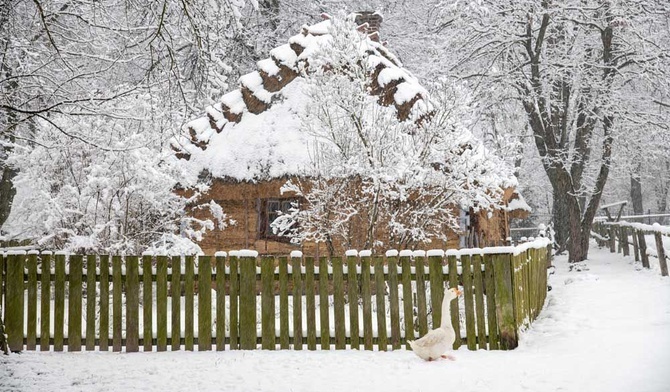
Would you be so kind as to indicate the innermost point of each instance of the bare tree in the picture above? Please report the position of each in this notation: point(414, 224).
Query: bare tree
point(581, 71)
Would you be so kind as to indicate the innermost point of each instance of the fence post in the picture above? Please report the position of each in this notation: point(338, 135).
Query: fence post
point(247, 307)
point(643, 248)
point(14, 301)
point(624, 240)
point(612, 239)
point(661, 253)
point(636, 248)
point(502, 269)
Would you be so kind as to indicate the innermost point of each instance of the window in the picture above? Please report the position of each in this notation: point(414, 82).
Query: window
point(270, 209)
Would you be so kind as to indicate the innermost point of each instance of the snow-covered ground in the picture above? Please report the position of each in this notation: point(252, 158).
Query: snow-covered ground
point(605, 329)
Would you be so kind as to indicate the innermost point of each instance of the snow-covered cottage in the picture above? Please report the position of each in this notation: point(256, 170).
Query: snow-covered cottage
point(255, 140)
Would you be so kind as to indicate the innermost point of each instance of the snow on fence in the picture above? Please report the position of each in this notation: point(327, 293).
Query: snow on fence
point(620, 235)
point(252, 301)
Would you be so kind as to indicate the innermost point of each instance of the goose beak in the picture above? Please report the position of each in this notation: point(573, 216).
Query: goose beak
point(458, 292)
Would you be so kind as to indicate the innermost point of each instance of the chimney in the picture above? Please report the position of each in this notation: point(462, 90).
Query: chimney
point(373, 20)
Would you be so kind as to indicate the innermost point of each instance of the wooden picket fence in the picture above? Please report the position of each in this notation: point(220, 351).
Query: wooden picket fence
point(504, 290)
point(619, 236)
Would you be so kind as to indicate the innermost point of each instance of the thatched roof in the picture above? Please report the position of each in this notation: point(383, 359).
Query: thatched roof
point(253, 128)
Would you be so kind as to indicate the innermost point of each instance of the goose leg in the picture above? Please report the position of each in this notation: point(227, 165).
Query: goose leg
point(449, 357)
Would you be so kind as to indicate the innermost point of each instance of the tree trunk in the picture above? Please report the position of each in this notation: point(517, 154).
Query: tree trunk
point(560, 220)
point(7, 128)
point(7, 192)
point(3, 340)
point(578, 245)
point(636, 191)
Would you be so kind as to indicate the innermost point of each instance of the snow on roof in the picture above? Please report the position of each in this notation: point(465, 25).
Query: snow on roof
point(285, 55)
point(518, 203)
point(268, 66)
point(320, 28)
point(254, 83)
point(237, 141)
point(233, 100)
point(252, 136)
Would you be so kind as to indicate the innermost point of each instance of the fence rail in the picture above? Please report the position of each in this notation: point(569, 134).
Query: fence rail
point(619, 236)
point(241, 301)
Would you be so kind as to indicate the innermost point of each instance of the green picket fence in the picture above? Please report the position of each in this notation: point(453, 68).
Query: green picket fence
point(242, 301)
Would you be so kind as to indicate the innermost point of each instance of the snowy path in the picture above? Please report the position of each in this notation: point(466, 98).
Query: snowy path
point(607, 329)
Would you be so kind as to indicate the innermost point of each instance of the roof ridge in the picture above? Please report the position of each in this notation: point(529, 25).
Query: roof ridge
point(389, 80)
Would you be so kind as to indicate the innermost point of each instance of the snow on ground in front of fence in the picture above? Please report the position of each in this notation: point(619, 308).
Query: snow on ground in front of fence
point(605, 329)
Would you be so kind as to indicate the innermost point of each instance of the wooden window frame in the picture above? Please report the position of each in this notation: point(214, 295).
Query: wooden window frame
point(267, 216)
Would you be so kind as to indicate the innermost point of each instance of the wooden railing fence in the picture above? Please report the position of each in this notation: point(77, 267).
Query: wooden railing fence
point(619, 236)
point(241, 301)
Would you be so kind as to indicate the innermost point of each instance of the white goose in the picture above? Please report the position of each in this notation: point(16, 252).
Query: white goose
point(436, 342)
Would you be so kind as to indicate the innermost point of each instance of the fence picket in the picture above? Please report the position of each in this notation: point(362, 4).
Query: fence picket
point(132, 304)
point(247, 302)
point(283, 304)
point(189, 308)
point(408, 308)
point(367, 302)
point(453, 283)
point(392, 263)
point(296, 270)
point(489, 284)
point(479, 301)
point(436, 288)
point(45, 304)
point(380, 295)
point(161, 303)
point(59, 302)
point(90, 302)
point(220, 302)
point(234, 297)
point(104, 303)
point(31, 336)
point(147, 302)
point(323, 303)
point(74, 303)
point(14, 302)
point(338, 298)
point(324, 317)
point(419, 264)
point(116, 303)
point(268, 302)
point(310, 303)
point(352, 296)
point(175, 293)
point(204, 303)
point(471, 334)
point(504, 297)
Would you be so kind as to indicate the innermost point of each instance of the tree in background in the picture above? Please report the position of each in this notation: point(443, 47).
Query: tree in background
point(90, 93)
point(580, 70)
